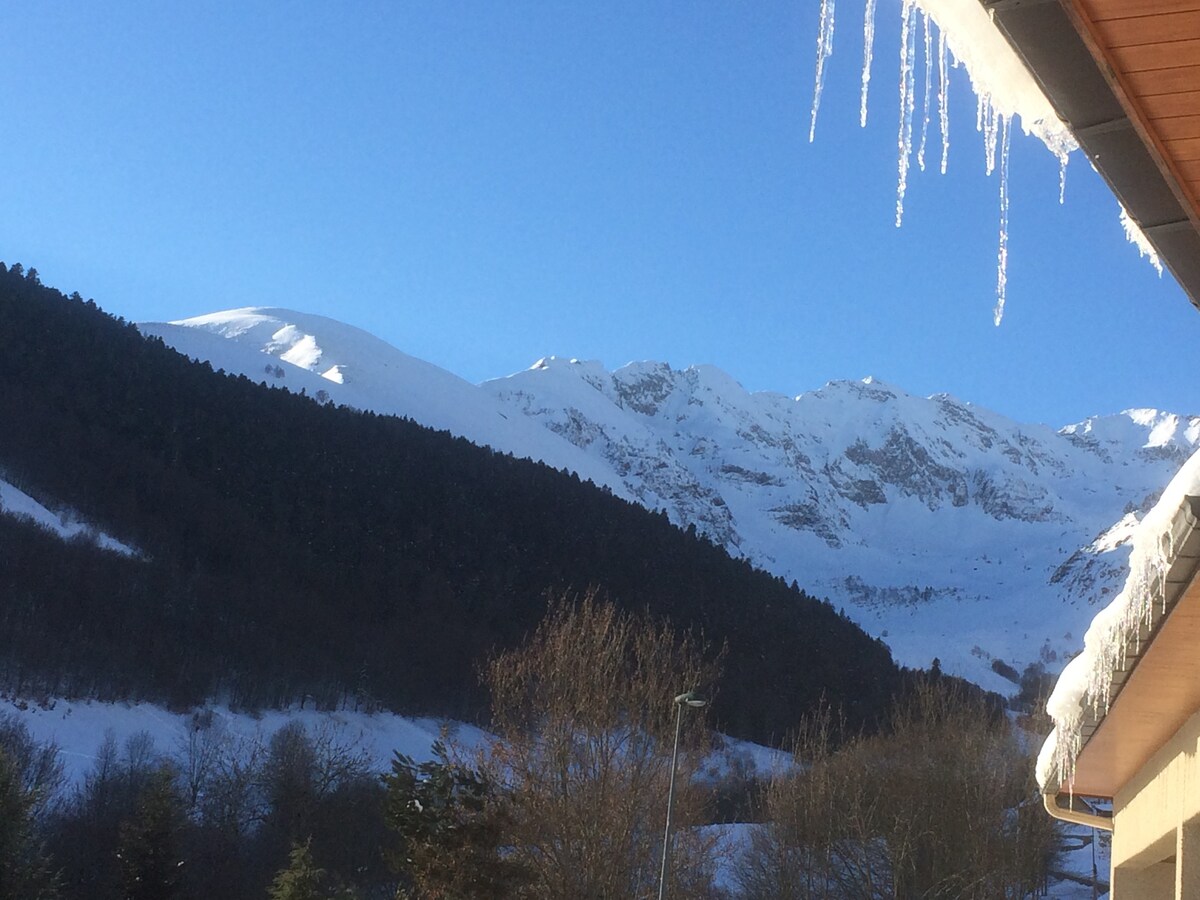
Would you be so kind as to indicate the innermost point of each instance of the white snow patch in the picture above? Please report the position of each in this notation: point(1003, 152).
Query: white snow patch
point(1118, 536)
point(295, 347)
point(67, 524)
point(1086, 683)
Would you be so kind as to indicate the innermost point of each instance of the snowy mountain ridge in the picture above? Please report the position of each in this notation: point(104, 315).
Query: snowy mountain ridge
point(945, 528)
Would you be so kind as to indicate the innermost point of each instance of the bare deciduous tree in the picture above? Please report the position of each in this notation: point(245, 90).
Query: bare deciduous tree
point(585, 718)
point(941, 805)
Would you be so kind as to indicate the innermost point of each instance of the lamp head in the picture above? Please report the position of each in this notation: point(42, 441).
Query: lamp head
point(692, 699)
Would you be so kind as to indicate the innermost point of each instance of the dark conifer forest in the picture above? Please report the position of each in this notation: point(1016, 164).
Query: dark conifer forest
point(295, 552)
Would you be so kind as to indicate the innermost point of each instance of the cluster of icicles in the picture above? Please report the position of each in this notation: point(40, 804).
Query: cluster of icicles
point(992, 120)
point(1086, 684)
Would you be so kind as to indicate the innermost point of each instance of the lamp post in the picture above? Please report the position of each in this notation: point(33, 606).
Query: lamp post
point(695, 701)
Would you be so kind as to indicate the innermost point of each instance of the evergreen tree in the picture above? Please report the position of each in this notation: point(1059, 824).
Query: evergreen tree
point(149, 850)
point(302, 879)
point(448, 822)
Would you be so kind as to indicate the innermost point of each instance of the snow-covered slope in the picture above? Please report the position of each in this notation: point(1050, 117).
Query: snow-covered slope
point(946, 529)
point(65, 523)
point(338, 363)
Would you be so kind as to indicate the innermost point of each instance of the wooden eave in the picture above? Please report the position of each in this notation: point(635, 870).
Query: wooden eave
point(1158, 688)
point(1124, 75)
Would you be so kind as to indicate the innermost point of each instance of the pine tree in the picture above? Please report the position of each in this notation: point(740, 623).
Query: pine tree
point(449, 823)
point(149, 842)
point(302, 879)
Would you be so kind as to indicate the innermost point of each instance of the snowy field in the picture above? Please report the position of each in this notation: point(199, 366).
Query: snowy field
point(79, 727)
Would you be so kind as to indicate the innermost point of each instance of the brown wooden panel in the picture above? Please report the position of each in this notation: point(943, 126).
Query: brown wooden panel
point(1190, 170)
point(1164, 81)
point(1176, 128)
point(1124, 9)
point(1146, 57)
point(1148, 29)
point(1184, 104)
point(1186, 149)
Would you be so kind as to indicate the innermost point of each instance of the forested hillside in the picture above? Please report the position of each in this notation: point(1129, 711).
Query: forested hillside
point(291, 549)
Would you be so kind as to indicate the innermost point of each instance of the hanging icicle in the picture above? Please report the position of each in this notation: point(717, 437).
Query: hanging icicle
point(943, 99)
point(991, 131)
point(904, 139)
point(928, 87)
point(868, 54)
point(1002, 250)
point(1003, 87)
point(1135, 236)
point(824, 51)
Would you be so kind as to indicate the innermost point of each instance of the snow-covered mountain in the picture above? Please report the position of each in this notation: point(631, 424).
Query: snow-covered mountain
point(946, 529)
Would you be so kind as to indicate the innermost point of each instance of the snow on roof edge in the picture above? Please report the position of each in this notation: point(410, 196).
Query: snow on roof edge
point(1085, 685)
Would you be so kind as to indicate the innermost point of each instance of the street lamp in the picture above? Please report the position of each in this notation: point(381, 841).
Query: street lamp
point(695, 701)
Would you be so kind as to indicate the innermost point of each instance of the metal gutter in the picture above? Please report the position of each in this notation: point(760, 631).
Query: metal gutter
point(1076, 812)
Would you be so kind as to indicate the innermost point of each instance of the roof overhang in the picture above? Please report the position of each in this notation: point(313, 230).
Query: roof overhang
point(1157, 688)
point(1124, 75)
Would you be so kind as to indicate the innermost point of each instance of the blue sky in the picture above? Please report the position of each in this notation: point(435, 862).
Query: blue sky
point(483, 184)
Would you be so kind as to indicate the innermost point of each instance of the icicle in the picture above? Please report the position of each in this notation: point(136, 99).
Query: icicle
point(824, 51)
point(1002, 252)
point(943, 99)
point(1062, 178)
point(991, 130)
point(928, 86)
point(1135, 236)
point(868, 54)
point(907, 89)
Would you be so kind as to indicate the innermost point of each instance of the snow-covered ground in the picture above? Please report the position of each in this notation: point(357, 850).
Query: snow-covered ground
point(79, 727)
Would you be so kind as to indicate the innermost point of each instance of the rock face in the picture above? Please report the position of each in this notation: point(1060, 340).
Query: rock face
point(944, 528)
